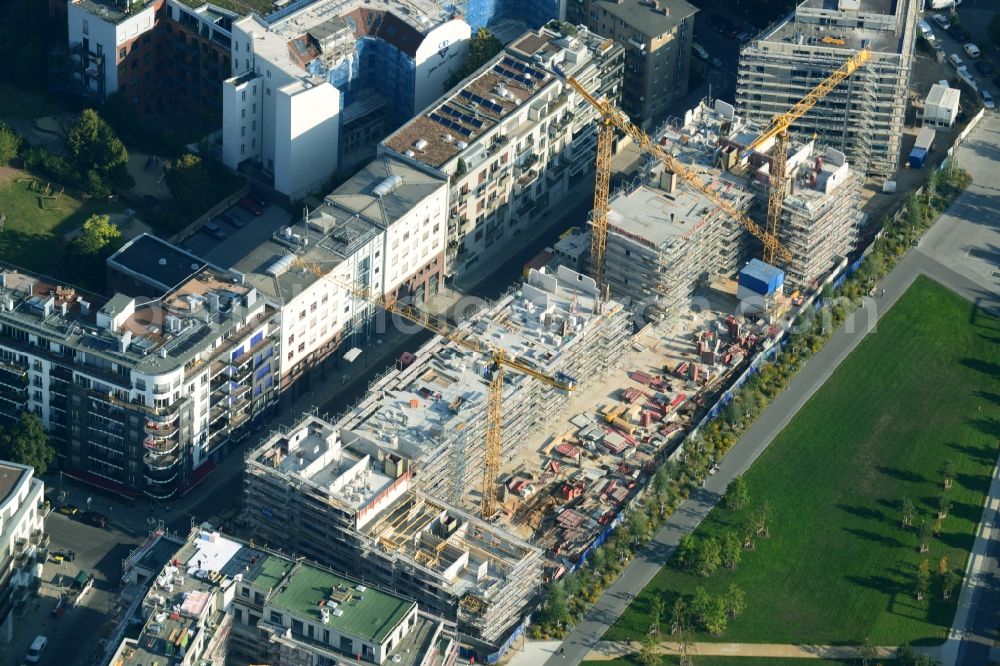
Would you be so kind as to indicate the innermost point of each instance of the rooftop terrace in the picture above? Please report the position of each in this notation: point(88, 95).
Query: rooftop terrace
point(350, 607)
point(822, 24)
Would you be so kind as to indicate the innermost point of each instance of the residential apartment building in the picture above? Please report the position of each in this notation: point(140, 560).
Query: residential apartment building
point(21, 537)
point(359, 512)
point(864, 116)
point(498, 14)
point(512, 137)
point(140, 397)
point(657, 36)
point(219, 601)
point(317, 83)
point(162, 55)
point(383, 230)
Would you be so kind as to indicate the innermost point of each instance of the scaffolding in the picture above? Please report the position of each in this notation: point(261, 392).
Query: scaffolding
point(864, 118)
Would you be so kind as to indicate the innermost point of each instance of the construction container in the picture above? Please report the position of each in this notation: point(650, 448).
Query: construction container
point(923, 145)
point(760, 279)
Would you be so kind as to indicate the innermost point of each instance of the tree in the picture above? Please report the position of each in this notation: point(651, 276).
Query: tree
point(700, 604)
point(944, 505)
point(949, 581)
point(737, 494)
point(943, 565)
point(716, 619)
point(555, 610)
point(732, 549)
point(483, 46)
point(679, 617)
point(10, 144)
point(923, 579)
point(638, 526)
point(687, 551)
point(736, 600)
point(924, 534)
point(924, 660)
point(656, 614)
point(97, 234)
point(907, 511)
point(948, 474)
point(709, 556)
point(867, 652)
point(761, 518)
point(749, 535)
point(649, 654)
point(26, 443)
point(93, 144)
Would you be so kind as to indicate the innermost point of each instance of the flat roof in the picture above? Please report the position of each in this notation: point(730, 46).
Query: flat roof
point(156, 261)
point(367, 613)
point(876, 25)
point(10, 476)
point(642, 16)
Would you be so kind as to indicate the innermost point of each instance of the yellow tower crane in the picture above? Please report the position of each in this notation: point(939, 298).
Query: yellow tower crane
point(612, 118)
point(778, 130)
point(494, 397)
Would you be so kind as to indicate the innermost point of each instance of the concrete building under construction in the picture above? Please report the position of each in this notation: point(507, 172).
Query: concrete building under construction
point(360, 513)
point(433, 412)
point(665, 238)
point(864, 116)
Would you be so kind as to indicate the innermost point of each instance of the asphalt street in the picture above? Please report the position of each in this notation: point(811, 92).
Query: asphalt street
point(952, 237)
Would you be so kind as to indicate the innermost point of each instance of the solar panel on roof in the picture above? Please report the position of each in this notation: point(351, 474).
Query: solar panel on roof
point(464, 131)
point(466, 94)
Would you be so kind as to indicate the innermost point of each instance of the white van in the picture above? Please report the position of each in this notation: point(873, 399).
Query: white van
point(37, 648)
point(699, 51)
point(926, 31)
point(955, 61)
point(972, 50)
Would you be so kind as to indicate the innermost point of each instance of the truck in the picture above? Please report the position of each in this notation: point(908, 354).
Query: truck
point(943, 4)
point(923, 145)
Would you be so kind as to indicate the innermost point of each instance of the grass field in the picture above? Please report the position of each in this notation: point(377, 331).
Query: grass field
point(32, 237)
point(923, 389)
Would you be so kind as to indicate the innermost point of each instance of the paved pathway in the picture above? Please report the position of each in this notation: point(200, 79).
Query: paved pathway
point(607, 650)
point(959, 233)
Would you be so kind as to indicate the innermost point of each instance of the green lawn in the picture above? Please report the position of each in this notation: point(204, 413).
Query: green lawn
point(32, 237)
point(923, 389)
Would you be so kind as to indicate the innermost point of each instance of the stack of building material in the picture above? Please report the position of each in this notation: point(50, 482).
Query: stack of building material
point(632, 395)
point(568, 450)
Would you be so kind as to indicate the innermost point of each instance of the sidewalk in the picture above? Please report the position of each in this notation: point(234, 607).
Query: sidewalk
point(605, 651)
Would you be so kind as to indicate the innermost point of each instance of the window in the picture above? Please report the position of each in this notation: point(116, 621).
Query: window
point(243, 113)
point(255, 89)
point(302, 347)
point(238, 614)
point(243, 94)
point(291, 338)
point(122, 52)
point(248, 49)
point(267, 90)
point(245, 592)
point(290, 355)
point(86, 27)
point(243, 149)
point(253, 125)
point(253, 143)
point(276, 617)
point(243, 131)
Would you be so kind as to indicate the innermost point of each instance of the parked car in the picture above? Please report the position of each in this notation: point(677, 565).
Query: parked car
point(941, 21)
point(37, 648)
point(987, 98)
point(985, 68)
point(716, 62)
point(59, 555)
point(95, 518)
point(251, 206)
point(956, 61)
point(213, 230)
point(69, 510)
point(971, 50)
point(700, 51)
point(233, 220)
point(259, 198)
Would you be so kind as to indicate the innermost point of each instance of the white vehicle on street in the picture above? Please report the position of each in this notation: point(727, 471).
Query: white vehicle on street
point(972, 50)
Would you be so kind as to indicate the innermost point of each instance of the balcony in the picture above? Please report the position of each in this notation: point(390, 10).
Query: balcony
point(160, 431)
point(159, 491)
point(248, 354)
point(158, 463)
point(241, 372)
point(160, 446)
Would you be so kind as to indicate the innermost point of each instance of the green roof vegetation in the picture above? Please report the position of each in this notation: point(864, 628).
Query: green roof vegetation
point(272, 570)
point(839, 566)
point(370, 615)
point(259, 7)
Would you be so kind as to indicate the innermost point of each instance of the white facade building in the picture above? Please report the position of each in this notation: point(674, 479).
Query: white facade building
point(21, 525)
point(315, 85)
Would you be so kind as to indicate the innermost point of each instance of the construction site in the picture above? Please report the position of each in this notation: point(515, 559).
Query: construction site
point(362, 514)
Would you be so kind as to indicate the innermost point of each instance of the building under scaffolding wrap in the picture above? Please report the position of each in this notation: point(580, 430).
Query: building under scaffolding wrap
point(664, 238)
point(361, 514)
point(862, 117)
point(433, 413)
